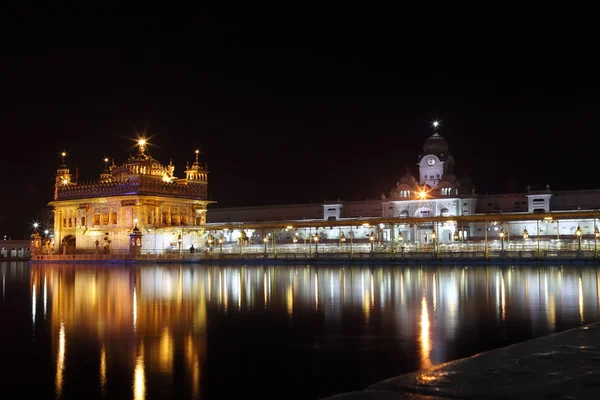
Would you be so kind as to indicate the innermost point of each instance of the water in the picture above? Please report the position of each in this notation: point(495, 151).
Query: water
point(184, 331)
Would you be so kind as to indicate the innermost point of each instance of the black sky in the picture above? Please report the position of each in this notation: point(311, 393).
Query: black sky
point(286, 115)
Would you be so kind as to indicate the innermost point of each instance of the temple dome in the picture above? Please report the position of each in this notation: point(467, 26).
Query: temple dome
point(407, 179)
point(435, 144)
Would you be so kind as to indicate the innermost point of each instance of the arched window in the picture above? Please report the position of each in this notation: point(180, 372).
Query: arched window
point(444, 212)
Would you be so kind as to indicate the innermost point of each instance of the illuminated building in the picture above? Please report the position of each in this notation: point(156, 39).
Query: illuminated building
point(436, 191)
point(140, 196)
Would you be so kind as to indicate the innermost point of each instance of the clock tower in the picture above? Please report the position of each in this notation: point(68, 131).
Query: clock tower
point(435, 161)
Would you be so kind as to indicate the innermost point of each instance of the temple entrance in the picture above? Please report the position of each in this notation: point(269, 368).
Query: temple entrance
point(68, 244)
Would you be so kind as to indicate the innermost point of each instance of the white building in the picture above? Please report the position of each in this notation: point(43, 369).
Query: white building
point(437, 192)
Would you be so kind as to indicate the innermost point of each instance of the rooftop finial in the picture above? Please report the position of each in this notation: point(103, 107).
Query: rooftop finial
point(436, 125)
point(197, 154)
point(63, 156)
point(142, 145)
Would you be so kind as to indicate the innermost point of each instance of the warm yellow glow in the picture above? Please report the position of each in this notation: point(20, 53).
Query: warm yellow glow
point(289, 227)
point(139, 379)
point(425, 339)
point(60, 360)
point(165, 357)
point(134, 309)
point(166, 178)
point(103, 368)
point(105, 159)
point(142, 142)
point(63, 154)
point(65, 181)
point(290, 300)
point(265, 287)
point(422, 194)
point(197, 151)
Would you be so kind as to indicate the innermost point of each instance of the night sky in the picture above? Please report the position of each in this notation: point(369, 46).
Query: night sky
point(289, 115)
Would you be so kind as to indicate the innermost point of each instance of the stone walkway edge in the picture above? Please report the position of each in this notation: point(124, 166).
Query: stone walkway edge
point(564, 365)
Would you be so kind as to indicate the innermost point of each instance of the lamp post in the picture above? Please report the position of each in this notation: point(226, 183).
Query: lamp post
point(372, 240)
point(316, 239)
point(342, 240)
point(455, 237)
point(221, 244)
point(434, 240)
point(211, 238)
point(525, 236)
point(295, 239)
point(502, 239)
point(578, 233)
point(265, 241)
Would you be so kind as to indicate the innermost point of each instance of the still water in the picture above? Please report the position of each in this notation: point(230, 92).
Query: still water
point(189, 331)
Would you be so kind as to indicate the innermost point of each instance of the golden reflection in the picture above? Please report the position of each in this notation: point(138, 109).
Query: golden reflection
point(290, 300)
point(425, 340)
point(169, 308)
point(193, 364)
point(265, 287)
point(103, 368)
point(60, 360)
point(134, 308)
point(139, 377)
point(372, 296)
point(165, 355)
point(580, 300)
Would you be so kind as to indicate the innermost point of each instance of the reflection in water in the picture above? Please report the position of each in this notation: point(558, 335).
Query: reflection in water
point(45, 294)
point(580, 298)
point(139, 376)
point(33, 304)
point(425, 341)
point(60, 360)
point(134, 309)
point(103, 369)
point(151, 321)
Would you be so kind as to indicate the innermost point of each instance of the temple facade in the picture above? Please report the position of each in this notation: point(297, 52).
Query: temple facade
point(138, 204)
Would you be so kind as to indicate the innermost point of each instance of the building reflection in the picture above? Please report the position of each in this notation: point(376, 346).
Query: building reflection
point(160, 313)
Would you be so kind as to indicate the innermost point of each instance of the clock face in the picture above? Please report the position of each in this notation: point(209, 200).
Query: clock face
point(431, 161)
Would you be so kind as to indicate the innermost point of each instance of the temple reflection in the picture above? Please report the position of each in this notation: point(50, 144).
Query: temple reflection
point(161, 313)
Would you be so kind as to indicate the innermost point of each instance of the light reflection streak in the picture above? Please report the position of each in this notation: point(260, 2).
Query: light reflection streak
point(265, 287)
point(134, 309)
point(60, 360)
point(139, 378)
point(290, 300)
point(33, 301)
point(498, 295)
point(503, 296)
point(103, 369)
point(434, 288)
point(580, 300)
point(316, 291)
point(165, 355)
point(425, 339)
point(45, 294)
